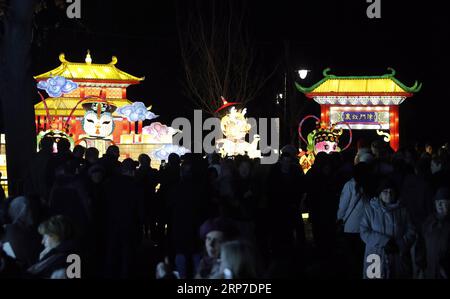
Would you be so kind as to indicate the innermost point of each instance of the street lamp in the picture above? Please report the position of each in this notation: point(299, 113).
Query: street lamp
point(283, 97)
point(303, 73)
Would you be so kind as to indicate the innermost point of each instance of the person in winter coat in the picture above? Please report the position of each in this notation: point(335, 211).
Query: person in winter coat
point(59, 240)
point(355, 196)
point(21, 233)
point(39, 181)
point(147, 179)
point(323, 192)
point(416, 195)
point(286, 185)
point(214, 232)
point(389, 234)
point(433, 248)
point(184, 221)
point(123, 216)
point(67, 197)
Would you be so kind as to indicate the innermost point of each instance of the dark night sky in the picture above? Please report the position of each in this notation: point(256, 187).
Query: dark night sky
point(412, 38)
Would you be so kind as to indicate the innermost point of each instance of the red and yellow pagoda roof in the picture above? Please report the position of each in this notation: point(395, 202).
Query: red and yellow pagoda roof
point(384, 85)
point(91, 74)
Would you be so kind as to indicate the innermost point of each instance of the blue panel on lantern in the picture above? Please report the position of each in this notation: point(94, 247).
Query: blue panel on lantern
point(359, 116)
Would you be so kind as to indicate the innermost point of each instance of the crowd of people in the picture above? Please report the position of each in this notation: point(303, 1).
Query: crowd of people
point(212, 217)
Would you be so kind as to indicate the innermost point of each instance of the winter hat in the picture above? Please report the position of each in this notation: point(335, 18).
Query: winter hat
point(129, 164)
point(442, 193)
point(221, 224)
point(386, 183)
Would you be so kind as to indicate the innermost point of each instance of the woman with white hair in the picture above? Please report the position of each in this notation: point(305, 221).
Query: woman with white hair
point(238, 260)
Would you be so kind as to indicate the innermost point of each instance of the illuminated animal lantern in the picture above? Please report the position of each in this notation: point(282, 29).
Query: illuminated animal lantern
point(324, 138)
point(235, 127)
point(98, 124)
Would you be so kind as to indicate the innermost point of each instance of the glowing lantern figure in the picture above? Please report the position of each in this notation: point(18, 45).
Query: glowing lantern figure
point(98, 124)
point(235, 127)
point(323, 139)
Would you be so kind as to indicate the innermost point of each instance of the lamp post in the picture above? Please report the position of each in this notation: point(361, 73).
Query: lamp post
point(282, 97)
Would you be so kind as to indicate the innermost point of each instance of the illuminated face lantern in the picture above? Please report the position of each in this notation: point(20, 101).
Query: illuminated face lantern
point(326, 146)
point(234, 125)
point(326, 139)
point(98, 121)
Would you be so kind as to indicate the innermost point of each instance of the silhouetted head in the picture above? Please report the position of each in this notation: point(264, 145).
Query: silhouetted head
point(144, 161)
point(63, 145)
point(174, 159)
point(79, 151)
point(91, 155)
point(129, 167)
point(113, 151)
point(47, 144)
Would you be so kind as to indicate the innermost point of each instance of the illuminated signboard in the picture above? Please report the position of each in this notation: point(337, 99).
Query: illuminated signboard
point(361, 118)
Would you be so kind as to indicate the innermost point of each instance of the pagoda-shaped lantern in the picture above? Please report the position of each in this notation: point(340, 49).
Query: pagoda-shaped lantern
point(362, 102)
point(103, 81)
point(87, 103)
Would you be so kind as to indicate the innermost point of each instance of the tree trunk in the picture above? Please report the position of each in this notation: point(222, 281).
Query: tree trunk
point(16, 92)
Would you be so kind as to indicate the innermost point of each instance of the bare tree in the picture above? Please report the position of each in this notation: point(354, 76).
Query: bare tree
point(218, 56)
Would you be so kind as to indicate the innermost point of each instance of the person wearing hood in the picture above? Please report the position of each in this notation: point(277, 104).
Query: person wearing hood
point(20, 233)
point(388, 233)
point(433, 250)
point(184, 210)
point(355, 195)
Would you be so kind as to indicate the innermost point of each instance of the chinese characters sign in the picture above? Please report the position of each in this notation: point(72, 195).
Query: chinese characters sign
point(361, 118)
